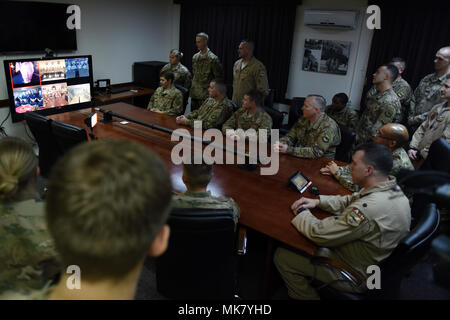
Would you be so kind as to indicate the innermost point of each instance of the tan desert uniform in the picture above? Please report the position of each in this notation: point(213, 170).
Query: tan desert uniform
point(212, 113)
point(436, 125)
point(366, 228)
point(169, 101)
point(182, 75)
point(205, 68)
point(400, 161)
point(346, 117)
point(252, 76)
point(307, 140)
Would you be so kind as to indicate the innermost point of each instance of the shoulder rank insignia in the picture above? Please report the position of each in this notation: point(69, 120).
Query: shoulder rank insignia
point(355, 217)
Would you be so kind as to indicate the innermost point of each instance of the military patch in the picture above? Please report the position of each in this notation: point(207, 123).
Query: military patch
point(388, 114)
point(355, 217)
point(325, 139)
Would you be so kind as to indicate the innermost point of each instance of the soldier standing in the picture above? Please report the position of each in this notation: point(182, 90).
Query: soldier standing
point(166, 99)
point(248, 73)
point(382, 107)
point(427, 93)
point(205, 67)
point(313, 136)
point(182, 75)
point(360, 233)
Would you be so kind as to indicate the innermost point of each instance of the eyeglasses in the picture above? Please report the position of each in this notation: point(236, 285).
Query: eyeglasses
point(378, 134)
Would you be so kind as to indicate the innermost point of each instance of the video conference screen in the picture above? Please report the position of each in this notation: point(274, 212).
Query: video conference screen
point(49, 86)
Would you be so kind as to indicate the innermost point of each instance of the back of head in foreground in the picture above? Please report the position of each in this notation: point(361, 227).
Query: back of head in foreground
point(107, 205)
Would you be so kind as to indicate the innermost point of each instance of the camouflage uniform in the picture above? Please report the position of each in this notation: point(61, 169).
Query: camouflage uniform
point(435, 126)
point(169, 101)
point(204, 200)
point(346, 116)
point(37, 294)
point(25, 245)
point(365, 229)
point(313, 140)
point(405, 95)
point(242, 119)
point(182, 75)
point(400, 161)
point(426, 95)
point(381, 109)
point(212, 113)
point(252, 76)
point(205, 68)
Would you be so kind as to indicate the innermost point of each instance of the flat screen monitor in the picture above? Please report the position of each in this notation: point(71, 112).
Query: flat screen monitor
point(48, 85)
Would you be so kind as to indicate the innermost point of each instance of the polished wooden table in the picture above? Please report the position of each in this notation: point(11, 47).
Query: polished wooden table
point(114, 97)
point(264, 200)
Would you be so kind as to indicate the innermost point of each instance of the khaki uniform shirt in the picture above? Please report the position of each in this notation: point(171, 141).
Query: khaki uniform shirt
point(313, 140)
point(380, 109)
point(366, 228)
point(400, 161)
point(205, 68)
point(252, 76)
point(169, 101)
point(436, 125)
point(212, 113)
point(182, 75)
point(25, 244)
point(426, 95)
point(204, 200)
point(346, 117)
point(242, 119)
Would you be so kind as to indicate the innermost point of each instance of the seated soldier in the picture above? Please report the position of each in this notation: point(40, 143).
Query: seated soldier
point(340, 113)
point(313, 136)
point(214, 111)
point(107, 205)
point(365, 229)
point(166, 99)
point(249, 116)
point(393, 136)
point(196, 177)
point(27, 256)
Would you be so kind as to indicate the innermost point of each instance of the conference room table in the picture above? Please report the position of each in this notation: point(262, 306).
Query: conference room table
point(264, 200)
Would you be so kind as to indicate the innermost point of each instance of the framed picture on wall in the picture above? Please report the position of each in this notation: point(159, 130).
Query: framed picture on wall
point(327, 56)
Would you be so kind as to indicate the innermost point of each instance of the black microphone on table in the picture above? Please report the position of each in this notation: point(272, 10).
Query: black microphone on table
point(107, 115)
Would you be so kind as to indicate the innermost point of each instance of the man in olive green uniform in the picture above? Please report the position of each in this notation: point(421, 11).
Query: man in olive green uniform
point(205, 67)
point(250, 116)
point(248, 73)
point(313, 136)
point(427, 93)
point(182, 75)
point(196, 177)
point(341, 113)
point(166, 99)
point(435, 126)
point(401, 88)
point(393, 136)
point(382, 107)
point(28, 259)
point(365, 229)
point(214, 111)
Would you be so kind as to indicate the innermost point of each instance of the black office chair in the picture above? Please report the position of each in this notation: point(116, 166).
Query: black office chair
point(49, 151)
point(343, 150)
point(295, 113)
point(269, 99)
point(67, 136)
point(200, 262)
point(393, 269)
point(185, 93)
point(277, 117)
point(438, 156)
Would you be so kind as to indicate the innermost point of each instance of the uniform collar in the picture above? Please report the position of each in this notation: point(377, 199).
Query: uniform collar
point(197, 194)
point(316, 124)
point(383, 186)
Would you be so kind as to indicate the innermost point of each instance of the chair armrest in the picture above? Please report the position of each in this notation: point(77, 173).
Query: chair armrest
point(242, 241)
point(343, 269)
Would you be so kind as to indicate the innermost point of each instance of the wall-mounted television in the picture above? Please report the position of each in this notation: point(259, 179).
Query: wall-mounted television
point(34, 26)
point(48, 85)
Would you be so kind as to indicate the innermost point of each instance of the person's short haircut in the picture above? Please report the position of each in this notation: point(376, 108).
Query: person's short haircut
point(106, 202)
point(203, 35)
point(177, 53)
point(378, 156)
point(399, 60)
point(256, 96)
point(221, 86)
point(250, 44)
point(18, 165)
point(392, 70)
point(319, 101)
point(198, 175)
point(342, 98)
point(445, 52)
point(168, 75)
